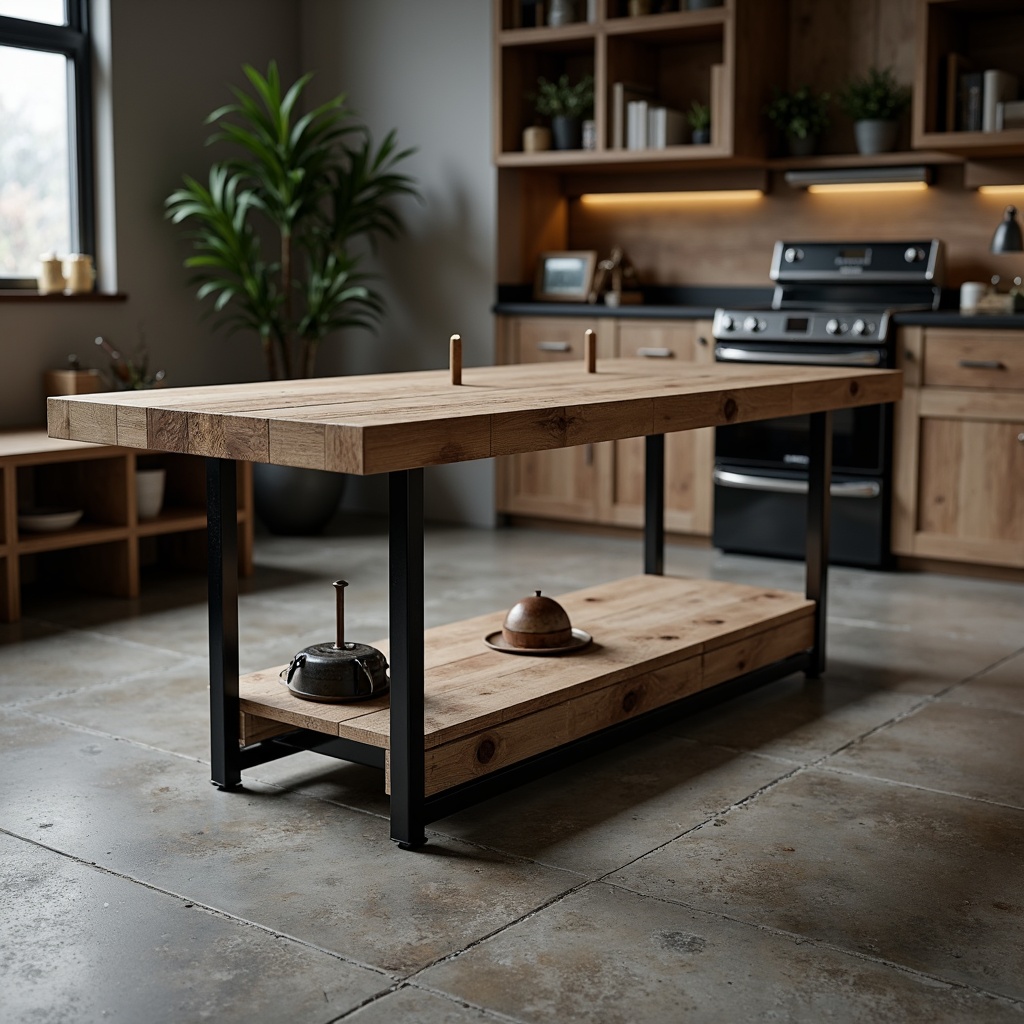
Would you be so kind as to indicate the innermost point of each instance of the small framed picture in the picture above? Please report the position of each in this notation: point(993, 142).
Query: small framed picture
point(564, 276)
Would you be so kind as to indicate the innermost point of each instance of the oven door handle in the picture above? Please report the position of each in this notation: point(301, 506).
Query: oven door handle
point(734, 354)
point(746, 482)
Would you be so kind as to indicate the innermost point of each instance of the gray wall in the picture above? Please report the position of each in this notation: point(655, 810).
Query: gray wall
point(161, 68)
point(423, 68)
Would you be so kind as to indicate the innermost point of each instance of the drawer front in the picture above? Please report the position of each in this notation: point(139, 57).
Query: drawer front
point(670, 343)
point(974, 359)
point(553, 339)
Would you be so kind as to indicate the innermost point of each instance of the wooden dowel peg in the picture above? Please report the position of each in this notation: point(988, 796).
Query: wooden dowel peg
point(590, 350)
point(455, 358)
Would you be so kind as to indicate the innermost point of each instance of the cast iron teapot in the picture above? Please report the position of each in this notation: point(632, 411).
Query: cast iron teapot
point(339, 671)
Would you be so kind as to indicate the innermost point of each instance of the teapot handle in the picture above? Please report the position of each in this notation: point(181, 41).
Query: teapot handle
point(297, 662)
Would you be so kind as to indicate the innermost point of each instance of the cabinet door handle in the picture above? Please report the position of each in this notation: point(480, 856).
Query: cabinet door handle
point(588, 455)
point(982, 364)
point(1020, 437)
point(655, 353)
point(554, 346)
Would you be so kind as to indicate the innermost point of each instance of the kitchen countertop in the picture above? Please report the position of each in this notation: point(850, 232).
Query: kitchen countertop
point(682, 303)
point(953, 318)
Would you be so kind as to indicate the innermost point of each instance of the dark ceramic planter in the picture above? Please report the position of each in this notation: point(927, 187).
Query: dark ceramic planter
point(801, 147)
point(566, 132)
point(875, 136)
point(700, 136)
point(295, 502)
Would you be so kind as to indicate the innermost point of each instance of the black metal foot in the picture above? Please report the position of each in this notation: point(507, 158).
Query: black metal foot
point(410, 846)
point(225, 788)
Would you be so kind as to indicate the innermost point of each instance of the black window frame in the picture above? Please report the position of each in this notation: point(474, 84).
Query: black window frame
point(73, 41)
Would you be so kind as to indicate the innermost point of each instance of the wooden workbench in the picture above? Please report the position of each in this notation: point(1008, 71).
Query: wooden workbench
point(464, 720)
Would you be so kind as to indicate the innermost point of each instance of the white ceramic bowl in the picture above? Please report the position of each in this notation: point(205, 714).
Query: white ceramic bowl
point(43, 520)
point(149, 492)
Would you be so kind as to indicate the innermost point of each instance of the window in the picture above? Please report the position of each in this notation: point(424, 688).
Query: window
point(46, 177)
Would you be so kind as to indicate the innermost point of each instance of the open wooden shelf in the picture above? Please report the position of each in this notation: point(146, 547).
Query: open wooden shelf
point(101, 552)
point(656, 639)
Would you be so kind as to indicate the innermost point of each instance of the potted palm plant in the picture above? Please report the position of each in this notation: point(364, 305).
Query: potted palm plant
point(567, 104)
point(800, 116)
point(875, 104)
point(699, 119)
point(273, 228)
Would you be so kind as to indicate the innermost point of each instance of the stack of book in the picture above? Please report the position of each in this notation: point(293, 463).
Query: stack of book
point(980, 101)
point(640, 122)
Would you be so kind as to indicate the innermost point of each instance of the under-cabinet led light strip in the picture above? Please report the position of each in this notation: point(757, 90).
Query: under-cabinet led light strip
point(662, 198)
point(1001, 190)
point(860, 179)
point(868, 186)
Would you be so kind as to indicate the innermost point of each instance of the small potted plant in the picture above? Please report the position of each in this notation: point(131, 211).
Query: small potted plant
point(699, 119)
point(800, 116)
point(875, 104)
point(567, 105)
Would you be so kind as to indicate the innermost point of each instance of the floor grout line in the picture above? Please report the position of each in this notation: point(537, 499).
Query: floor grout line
point(191, 903)
point(802, 939)
point(838, 770)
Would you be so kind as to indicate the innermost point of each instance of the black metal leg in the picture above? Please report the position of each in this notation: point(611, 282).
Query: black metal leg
point(222, 572)
point(406, 627)
point(819, 506)
point(654, 505)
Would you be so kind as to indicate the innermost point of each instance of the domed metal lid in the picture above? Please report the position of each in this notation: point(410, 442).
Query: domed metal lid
point(537, 622)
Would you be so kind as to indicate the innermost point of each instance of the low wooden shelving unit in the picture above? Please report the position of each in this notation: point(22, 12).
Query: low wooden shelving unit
point(106, 549)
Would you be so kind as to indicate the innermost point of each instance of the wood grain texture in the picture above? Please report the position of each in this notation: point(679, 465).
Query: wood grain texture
point(645, 629)
point(974, 358)
point(689, 455)
point(959, 456)
point(498, 410)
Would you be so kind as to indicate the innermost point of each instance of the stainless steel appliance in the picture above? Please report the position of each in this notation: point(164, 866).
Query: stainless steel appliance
point(832, 306)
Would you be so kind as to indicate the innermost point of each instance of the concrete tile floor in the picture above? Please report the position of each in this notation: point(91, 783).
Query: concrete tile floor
point(850, 849)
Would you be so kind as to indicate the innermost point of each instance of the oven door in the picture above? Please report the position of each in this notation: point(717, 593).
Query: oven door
point(859, 439)
point(761, 468)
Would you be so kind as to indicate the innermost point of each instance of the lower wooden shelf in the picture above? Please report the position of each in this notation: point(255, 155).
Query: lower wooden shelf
point(106, 551)
point(656, 639)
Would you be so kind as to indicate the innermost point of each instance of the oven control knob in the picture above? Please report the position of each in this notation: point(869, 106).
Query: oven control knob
point(835, 327)
point(793, 255)
point(859, 327)
point(751, 325)
point(726, 322)
point(913, 254)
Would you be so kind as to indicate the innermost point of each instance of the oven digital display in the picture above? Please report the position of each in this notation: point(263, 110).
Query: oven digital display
point(797, 324)
point(859, 257)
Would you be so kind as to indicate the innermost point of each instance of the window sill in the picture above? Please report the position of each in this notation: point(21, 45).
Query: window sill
point(26, 295)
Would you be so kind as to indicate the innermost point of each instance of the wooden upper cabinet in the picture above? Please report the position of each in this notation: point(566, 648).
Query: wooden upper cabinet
point(958, 38)
point(959, 476)
point(726, 57)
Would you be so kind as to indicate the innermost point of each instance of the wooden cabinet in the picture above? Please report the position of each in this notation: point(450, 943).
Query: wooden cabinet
point(954, 38)
point(959, 487)
point(604, 483)
point(106, 550)
point(562, 483)
point(689, 456)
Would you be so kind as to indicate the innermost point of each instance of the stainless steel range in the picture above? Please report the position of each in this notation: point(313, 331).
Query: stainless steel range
point(832, 306)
